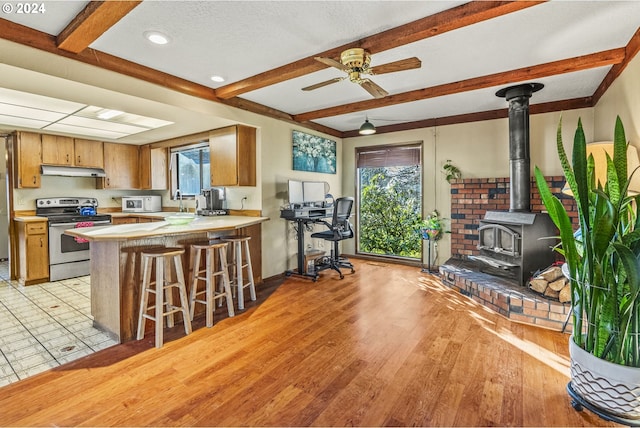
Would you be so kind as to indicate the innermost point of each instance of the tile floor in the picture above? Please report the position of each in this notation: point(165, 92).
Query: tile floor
point(43, 326)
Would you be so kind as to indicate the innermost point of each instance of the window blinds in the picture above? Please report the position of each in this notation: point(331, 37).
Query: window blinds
point(386, 156)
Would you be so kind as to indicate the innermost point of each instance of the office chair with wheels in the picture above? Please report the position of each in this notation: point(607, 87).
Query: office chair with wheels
point(339, 229)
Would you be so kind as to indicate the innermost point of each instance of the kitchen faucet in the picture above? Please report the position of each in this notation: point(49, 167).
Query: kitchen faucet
point(175, 196)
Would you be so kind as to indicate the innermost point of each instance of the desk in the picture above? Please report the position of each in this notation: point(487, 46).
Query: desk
point(303, 217)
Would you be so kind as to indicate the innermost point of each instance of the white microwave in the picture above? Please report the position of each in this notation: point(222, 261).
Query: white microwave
point(141, 204)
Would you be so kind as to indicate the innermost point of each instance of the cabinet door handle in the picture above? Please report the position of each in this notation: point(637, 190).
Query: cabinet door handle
point(41, 243)
point(67, 157)
point(79, 161)
point(34, 179)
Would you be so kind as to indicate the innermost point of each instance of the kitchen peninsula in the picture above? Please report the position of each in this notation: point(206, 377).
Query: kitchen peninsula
point(116, 268)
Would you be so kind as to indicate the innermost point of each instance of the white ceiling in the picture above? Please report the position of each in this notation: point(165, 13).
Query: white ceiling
point(240, 39)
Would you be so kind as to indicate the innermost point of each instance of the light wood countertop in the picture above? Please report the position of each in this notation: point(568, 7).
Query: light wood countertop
point(29, 218)
point(133, 231)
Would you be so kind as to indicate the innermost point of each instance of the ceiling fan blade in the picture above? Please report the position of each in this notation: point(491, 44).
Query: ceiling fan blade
point(375, 90)
point(401, 65)
point(332, 63)
point(321, 84)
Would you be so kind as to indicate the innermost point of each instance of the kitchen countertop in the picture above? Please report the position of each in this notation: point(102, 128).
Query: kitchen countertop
point(132, 231)
point(29, 218)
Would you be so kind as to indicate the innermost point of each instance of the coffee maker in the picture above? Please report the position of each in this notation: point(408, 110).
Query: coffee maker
point(211, 201)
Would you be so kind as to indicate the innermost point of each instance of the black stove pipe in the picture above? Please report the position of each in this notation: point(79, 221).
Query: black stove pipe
point(519, 160)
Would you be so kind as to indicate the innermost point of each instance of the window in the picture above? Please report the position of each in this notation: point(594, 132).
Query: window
point(389, 200)
point(190, 169)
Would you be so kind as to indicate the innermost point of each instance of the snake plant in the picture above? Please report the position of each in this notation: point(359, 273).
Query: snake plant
point(603, 258)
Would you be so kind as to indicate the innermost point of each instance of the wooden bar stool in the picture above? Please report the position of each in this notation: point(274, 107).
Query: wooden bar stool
point(238, 243)
point(162, 288)
point(209, 275)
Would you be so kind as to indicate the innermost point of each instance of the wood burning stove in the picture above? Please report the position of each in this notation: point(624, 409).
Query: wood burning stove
point(513, 245)
point(510, 242)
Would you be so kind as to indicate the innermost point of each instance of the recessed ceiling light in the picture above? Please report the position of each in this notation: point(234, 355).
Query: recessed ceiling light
point(217, 78)
point(156, 37)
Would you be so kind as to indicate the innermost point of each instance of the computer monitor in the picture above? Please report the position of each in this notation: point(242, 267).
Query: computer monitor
point(313, 191)
point(296, 195)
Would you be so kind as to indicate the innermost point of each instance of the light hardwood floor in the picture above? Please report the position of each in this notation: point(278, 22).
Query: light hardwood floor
point(387, 345)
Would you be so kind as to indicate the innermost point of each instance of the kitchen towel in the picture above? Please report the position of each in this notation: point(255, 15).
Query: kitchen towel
point(83, 224)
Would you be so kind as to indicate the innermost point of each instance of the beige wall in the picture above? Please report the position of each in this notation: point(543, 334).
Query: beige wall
point(622, 99)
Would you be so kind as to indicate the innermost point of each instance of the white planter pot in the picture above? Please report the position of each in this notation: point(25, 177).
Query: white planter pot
point(610, 387)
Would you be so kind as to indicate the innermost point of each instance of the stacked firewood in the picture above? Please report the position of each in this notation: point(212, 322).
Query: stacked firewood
point(552, 284)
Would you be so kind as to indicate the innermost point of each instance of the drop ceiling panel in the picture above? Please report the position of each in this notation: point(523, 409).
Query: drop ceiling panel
point(21, 122)
point(84, 131)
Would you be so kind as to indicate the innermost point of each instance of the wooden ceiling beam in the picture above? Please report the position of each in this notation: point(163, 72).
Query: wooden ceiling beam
point(632, 48)
point(585, 62)
point(549, 107)
point(92, 22)
point(448, 20)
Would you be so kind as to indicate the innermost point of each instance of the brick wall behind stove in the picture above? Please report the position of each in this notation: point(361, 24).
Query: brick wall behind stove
point(471, 198)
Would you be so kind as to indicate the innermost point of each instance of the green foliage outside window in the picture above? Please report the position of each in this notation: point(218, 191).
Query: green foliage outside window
point(390, 211)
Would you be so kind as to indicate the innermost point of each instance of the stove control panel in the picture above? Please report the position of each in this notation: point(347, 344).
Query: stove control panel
point(66, 202)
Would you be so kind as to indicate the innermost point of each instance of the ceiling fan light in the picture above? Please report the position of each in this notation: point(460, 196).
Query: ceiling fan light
point(367, 128)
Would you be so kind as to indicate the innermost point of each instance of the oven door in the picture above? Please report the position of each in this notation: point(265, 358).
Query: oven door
point(64, 248)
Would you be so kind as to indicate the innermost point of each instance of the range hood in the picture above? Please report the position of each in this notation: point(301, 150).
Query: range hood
point(72, 171)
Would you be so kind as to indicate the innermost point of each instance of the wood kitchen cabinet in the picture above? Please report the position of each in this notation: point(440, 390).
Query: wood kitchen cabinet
point(33, 252)
point(233, 156)
point(57, 150)
point(121, 163)
point(67, 151)
point(88, 153)
point(27, 157)
point(153, 168)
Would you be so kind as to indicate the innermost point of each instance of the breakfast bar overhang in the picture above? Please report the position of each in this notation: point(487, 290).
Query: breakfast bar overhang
point(115, 262)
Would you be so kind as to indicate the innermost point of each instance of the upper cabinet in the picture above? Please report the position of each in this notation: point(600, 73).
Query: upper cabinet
point(67, 151)
point(122, 167)
point(233, 156)
point(153, 168)
point(57, 150)
point(27, 157)
point(88, 154)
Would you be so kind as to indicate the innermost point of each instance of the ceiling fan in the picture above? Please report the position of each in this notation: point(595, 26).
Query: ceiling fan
point(356, 62)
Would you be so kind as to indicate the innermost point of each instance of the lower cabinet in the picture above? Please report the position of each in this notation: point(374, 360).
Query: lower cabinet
point(123, 220)
point(33, 253)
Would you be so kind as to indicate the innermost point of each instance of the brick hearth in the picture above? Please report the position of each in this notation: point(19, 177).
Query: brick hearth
point(471, 198)
point(515, 302)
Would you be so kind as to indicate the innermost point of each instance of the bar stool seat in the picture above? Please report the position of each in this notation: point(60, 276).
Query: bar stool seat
point(162, 288)
point(209, 275)
point(240, 242)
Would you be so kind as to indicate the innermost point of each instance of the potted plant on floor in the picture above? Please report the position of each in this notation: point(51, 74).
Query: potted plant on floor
point(603, 264)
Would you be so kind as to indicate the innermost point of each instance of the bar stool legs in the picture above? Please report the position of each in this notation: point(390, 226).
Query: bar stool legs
point(238, 244)
point(162, 288)
point(209, 275)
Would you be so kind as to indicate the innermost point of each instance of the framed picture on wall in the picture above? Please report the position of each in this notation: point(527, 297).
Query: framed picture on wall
point(313, 153)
